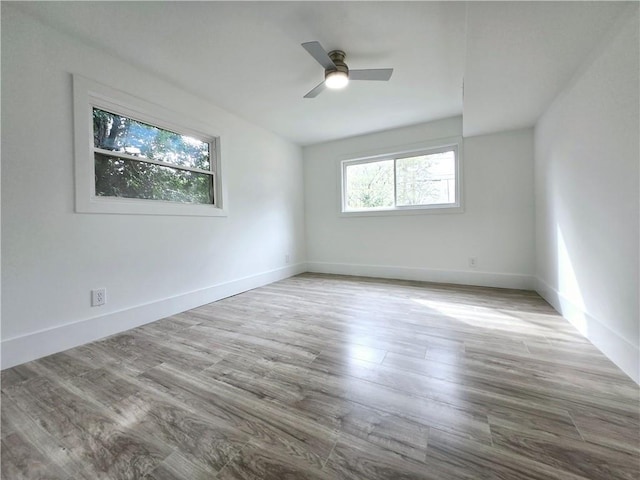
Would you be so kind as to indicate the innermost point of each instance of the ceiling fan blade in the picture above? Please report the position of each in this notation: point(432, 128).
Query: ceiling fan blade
point(316, 91)
point(319, 53)
point(380, 74)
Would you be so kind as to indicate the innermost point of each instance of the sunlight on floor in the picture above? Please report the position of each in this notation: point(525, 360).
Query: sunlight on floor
point(367, 354)
point(485, 317)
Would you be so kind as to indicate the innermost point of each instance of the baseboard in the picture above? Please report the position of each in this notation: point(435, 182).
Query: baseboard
point(624, 354)
point(460, 277)
point(39, 344)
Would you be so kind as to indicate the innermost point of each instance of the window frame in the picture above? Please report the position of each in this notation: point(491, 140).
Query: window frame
point(89, 95)
point(398, 153)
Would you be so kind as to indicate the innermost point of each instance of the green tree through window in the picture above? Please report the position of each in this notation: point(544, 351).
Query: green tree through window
point(421, 180)
point(137, 160)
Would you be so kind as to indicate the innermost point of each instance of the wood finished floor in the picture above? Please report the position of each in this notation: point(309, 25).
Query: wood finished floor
point(327, 377)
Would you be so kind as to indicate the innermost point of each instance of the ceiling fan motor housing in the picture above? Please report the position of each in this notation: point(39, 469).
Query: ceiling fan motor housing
point(337, 56)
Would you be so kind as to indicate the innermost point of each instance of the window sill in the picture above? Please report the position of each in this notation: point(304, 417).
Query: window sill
point(403, 211)
point(119, 206)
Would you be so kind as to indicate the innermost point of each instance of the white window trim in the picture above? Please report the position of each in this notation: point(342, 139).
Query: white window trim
point(88, 94)
point(393, 153)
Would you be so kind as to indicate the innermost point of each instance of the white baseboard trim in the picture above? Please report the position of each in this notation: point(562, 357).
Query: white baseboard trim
point(621, 352)
point(24, 348)
point(460, 277)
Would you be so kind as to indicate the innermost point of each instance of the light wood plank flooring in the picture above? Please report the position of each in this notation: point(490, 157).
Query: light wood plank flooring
point(329, 377)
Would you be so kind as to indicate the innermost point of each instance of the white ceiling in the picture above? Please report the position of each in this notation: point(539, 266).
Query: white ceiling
point(521, 54)
point(246, 57)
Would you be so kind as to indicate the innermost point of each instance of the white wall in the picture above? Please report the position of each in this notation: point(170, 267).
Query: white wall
point(496, 225)
point(586, 172)
point(152, 266)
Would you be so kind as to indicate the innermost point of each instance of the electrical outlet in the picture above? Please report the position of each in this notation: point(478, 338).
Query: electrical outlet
point(98, 297)
point(287, 259)
point(473, 262)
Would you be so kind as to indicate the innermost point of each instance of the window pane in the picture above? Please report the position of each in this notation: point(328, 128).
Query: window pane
point(369, 185)
point(123, 134)
point(426, 179)
point(117, 177)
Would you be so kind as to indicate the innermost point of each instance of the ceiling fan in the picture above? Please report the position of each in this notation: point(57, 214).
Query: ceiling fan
point(336, 72)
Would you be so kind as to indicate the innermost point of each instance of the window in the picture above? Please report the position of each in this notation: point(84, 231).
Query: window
point(427, 179)
point(141, 158)
point(137, 160)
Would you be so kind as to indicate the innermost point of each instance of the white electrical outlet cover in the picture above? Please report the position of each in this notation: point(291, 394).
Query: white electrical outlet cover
point(98, 297)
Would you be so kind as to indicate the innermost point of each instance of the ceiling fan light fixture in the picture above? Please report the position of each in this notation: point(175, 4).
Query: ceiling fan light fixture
point(336, 79)
point(336, 72)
